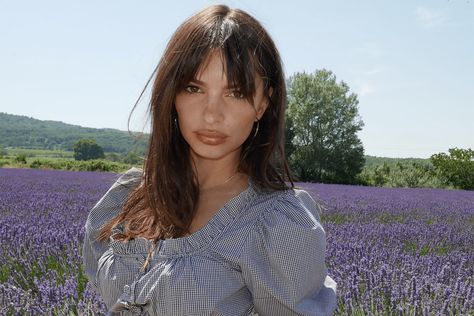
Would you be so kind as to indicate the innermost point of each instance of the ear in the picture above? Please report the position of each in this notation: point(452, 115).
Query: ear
point(264, 104)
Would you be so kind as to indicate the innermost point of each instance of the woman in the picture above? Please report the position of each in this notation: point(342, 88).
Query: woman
point(209, 226)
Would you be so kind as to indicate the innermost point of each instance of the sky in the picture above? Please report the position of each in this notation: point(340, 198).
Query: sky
point(411, 63)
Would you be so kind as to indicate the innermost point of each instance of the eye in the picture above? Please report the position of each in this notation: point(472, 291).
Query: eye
point(192, 89)
point(237, 94)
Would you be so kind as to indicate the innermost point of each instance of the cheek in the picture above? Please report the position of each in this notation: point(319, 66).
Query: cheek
point(186, 116)
point(185, 123)
point(243, 128)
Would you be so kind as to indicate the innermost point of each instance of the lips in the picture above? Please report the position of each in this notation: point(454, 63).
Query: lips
point(211, 137)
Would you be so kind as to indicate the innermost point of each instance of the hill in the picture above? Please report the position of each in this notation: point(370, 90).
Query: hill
point(26, 132)
point(376, 161)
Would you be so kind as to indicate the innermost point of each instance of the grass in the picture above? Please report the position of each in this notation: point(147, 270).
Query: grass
point(413, 248)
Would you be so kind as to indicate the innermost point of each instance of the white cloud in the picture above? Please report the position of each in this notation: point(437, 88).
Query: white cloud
point(429, 18)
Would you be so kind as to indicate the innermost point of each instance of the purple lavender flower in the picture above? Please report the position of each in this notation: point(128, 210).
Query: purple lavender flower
point(392, 251)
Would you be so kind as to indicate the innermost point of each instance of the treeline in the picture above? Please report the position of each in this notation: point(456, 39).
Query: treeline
point(26, 132)
point(402, 174)
point(453, 170)
point(38, 159)
point(440, 171)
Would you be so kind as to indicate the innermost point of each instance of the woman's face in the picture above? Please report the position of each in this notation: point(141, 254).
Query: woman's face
point(215, 119)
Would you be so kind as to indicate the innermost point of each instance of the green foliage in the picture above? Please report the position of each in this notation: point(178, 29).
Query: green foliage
point(44, 159)
point(112, 157)
point(289, 136)
point(80, 165)
point(321, 125)
point(87, 149)
point(413, 247)
point(58, 264)
point(21, 158)
point(132, 158)
point(4, 273)
point(27, 132)
point(457, 168)
point(40, 153)
point(95, 165)
point(401, 173)
point(374, 161)
point(3, 152)
point(3, 162)
point(81, 282)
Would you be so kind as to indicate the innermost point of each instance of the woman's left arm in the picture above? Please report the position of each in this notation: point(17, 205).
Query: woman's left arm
point(283, 260)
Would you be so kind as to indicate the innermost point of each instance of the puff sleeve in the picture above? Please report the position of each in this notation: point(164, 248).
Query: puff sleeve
point(104, 210)
point(283, 260)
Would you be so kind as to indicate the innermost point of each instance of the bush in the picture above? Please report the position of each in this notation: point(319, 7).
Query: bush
point(132, 159)
point(3, 162)
point(405, 175)
point(3, 152)
point(72, 165)
point(457, 168)
point(21, 158)
point(112, 157)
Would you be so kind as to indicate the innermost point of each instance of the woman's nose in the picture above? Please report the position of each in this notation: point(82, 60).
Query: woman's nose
point(213, 109)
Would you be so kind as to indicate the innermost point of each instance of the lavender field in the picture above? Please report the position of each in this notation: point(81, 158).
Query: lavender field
point(391, 251)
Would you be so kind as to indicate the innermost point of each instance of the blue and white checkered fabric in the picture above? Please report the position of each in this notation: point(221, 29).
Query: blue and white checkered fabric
point(261, 253)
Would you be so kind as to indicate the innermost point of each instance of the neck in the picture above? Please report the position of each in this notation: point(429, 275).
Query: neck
point(216, 173)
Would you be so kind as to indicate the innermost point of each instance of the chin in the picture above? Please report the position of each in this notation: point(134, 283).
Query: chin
point(213, 153)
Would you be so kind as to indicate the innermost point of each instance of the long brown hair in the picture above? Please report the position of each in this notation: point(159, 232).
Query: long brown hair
point(162, 205)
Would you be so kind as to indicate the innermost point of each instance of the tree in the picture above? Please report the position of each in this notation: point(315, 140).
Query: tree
point(289, 135)
point(457, 168)
point(381, 174)
point(87, 149)
point(324, 122)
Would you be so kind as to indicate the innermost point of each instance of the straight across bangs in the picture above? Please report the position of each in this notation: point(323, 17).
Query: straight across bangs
point(236, 47)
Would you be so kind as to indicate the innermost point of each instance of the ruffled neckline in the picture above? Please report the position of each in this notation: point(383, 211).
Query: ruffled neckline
point(191, 243)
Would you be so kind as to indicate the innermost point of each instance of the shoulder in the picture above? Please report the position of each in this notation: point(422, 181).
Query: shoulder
point(110, 204)
point(121, 187)
point(129, 178)
point(288, 222)
point(292, 206)
point(283, 258)
point(288, 239)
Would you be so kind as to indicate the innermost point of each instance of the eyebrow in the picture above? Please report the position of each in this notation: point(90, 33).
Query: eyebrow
point(202, 83)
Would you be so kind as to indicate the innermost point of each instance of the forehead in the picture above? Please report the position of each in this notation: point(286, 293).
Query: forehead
point(214, 65)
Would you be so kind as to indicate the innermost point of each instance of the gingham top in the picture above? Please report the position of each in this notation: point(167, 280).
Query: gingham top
point(260, 253)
